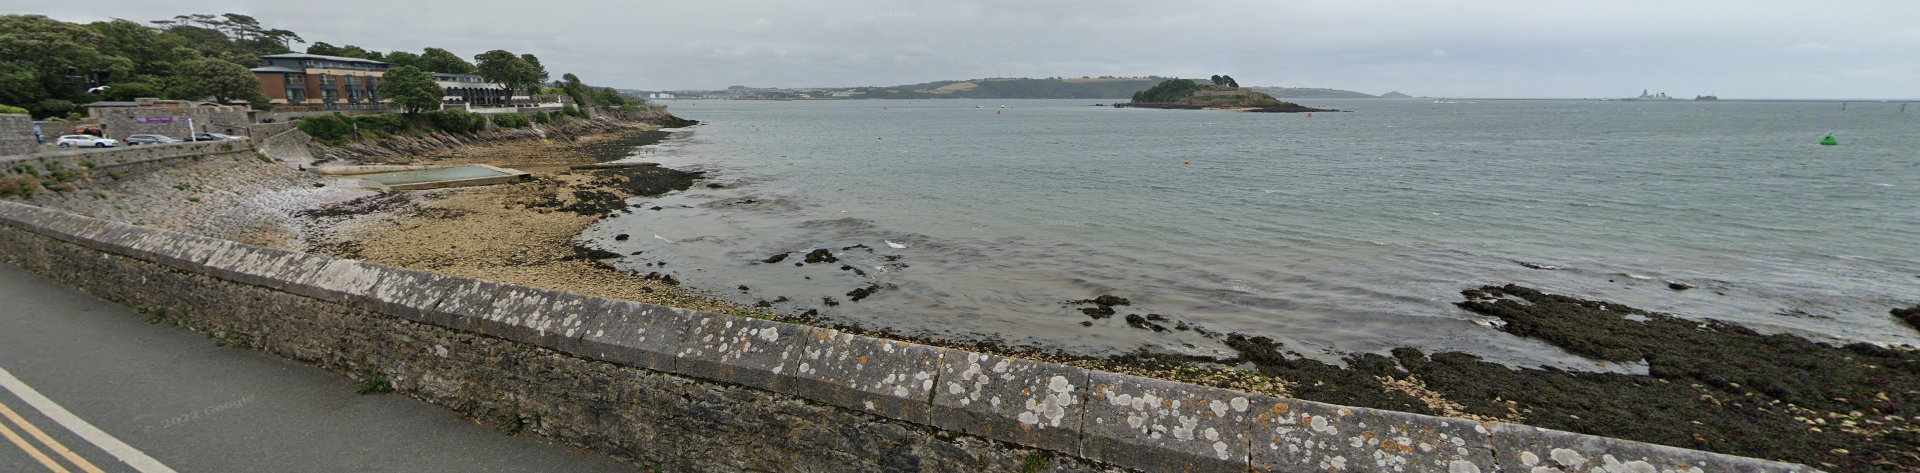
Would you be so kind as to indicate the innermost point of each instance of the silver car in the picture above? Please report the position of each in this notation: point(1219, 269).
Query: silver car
point(136, 140)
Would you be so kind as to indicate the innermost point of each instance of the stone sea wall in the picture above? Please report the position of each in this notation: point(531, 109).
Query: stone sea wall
point(691, 391)
point(16, 135)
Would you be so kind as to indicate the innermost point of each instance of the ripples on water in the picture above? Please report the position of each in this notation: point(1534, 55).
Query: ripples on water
point(1344, 232)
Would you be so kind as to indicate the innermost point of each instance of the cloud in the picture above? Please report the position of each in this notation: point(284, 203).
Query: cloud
point(1516, 47)
point(1817, 48)
point(756, 26)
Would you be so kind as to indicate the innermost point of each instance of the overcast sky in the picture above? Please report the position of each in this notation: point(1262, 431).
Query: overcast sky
point(1508, 48)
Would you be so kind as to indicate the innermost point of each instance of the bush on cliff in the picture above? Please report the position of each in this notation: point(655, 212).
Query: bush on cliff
point(511, 120)
point(384, 124)
point(543, 118)
point(327, 128)
point(573, 111)
point(458, 121)
point(12, 109)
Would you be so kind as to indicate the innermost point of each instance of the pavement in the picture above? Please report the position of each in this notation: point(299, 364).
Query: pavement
point(87, 385)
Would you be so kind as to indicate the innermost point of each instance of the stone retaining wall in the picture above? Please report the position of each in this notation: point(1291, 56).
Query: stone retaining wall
point(71, 169)
point(693, 391)
point(16, 135)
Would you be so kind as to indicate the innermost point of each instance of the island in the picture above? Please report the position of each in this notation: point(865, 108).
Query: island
point(1223, 94)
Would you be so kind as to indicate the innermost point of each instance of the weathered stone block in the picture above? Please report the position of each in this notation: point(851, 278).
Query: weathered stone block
point(739, 350)
point(1022, 401)
point(465, 304)
point(531, 315)
point(265, 267)
point(1157, 425)
point(68, 227)
point(342, 281)
point(884, 377)
point(1295, 435)
point(1524, 449)
point(409, 294)
point(632, 333)
point(179, 250)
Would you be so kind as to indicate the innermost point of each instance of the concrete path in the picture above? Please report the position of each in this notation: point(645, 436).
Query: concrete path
point(88, 386)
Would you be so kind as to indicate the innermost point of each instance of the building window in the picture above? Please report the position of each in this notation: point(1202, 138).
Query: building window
point(296, 95)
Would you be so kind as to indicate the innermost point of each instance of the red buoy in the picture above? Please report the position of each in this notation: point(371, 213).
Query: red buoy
point(1309, 114)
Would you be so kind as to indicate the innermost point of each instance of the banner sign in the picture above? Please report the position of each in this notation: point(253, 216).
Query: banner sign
point(153, 120)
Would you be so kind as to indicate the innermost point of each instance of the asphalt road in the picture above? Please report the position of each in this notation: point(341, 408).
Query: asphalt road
point(87, 385)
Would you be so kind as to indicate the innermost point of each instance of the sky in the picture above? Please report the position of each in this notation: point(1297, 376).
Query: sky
point(1496, 48)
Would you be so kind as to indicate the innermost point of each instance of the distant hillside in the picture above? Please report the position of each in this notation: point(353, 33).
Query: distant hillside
point(1312, 93)
point(1088, 88)
point(1395, 95)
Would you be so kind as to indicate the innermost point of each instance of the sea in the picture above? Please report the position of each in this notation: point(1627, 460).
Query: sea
point(1333, 233)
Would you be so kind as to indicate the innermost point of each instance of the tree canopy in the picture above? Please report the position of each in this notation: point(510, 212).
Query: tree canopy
point(47, 66)
point(443, 61)
point(516, 72)
point(412, 89)
point(222, 80)
point(1167, 92)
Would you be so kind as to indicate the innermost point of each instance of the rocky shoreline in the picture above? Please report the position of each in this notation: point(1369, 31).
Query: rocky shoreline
point(1709, 385)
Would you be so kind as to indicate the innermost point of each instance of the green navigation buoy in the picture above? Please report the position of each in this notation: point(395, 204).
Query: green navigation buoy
point(1829, 141)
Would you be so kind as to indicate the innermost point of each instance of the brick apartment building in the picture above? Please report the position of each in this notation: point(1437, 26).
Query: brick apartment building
point(318, 82)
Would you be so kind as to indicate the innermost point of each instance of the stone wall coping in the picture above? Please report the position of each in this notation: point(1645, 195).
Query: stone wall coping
point(1122, 420)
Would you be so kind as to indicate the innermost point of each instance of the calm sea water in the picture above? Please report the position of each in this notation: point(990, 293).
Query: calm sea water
point(1335, 233)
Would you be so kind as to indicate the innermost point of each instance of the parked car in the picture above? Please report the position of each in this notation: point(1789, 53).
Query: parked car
point(212, 137)
point(135, 140)
point(69, 141)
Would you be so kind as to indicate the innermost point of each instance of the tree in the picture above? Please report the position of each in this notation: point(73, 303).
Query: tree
point(412, 89)
point(1167, 92)
point(235, 37)
point(153, 52)
point(443, 61)
point(224, 81)
point(358, 52)
point(1217, 81)
point(1229, 82)
point(323, 49)
point(59, 57)
point(542, 70)
point(507, 69)
point(403, 58)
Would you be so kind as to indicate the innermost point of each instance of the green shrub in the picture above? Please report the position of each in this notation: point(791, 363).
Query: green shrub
point(543, 118)
point(50, 108)
point(329, 128)
point(574, 112)
point(12, 109)
point(511, 120)
point(387, 123)
point(455, 120)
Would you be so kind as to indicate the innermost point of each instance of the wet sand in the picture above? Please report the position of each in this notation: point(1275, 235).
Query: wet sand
point(1709, 385)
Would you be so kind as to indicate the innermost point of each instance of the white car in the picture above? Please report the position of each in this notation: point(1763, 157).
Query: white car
point(69, 141)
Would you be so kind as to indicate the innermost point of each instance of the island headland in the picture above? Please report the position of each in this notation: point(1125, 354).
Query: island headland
point(1222, 94)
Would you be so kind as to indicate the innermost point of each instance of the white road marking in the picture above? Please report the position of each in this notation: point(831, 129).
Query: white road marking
point(126, 453)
